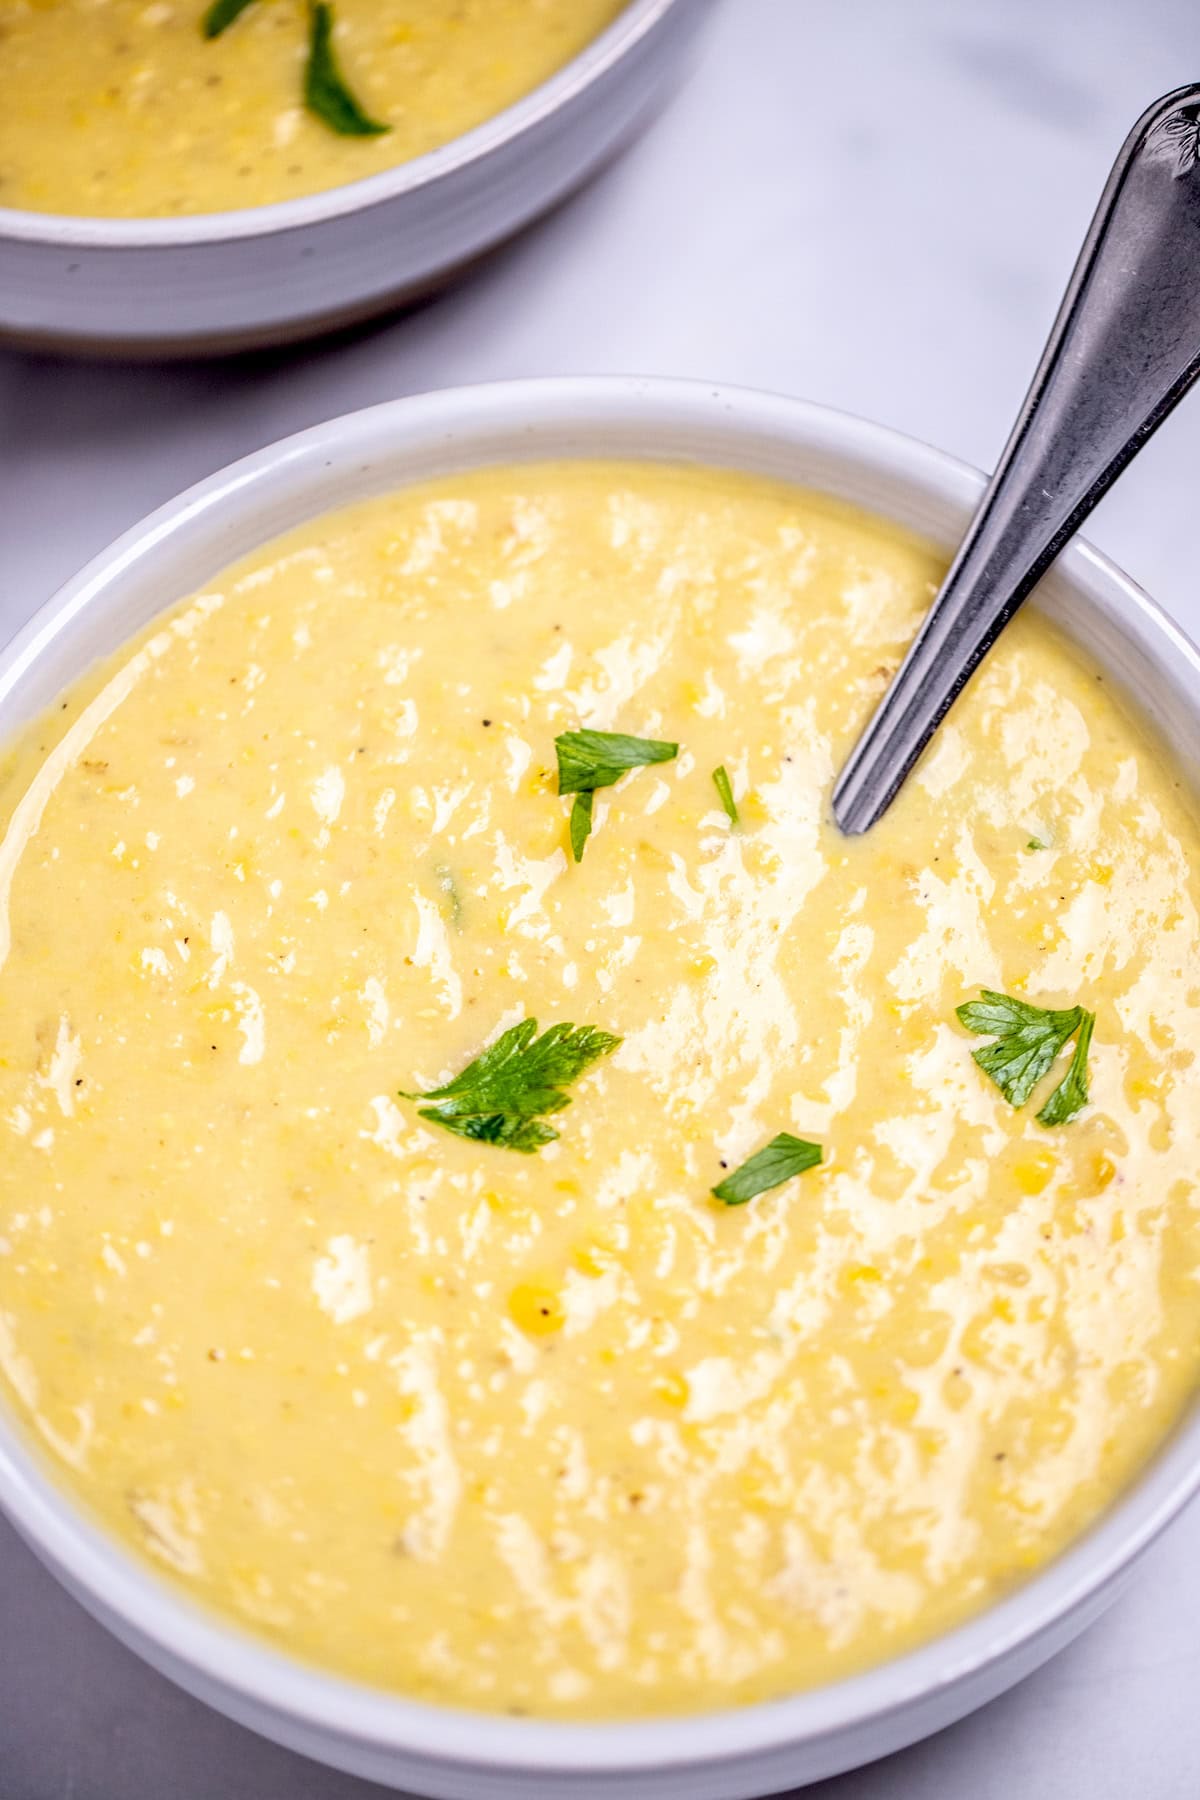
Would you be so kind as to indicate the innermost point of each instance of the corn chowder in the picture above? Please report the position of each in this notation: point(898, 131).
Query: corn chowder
point(319, 1294)
point(121, 109)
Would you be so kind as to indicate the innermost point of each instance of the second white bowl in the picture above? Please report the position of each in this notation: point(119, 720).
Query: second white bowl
point(268, 275)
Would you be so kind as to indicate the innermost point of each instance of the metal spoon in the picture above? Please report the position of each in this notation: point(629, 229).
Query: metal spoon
point(1124, 349)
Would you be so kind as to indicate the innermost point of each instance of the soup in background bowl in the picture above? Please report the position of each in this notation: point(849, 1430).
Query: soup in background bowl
point(826, 1271)
point(126, 110)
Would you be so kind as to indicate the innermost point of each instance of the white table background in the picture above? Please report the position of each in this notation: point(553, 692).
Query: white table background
point(873, 203)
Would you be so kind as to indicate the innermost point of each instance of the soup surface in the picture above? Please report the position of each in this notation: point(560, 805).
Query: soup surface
point(119, 108)
point(559, 1432)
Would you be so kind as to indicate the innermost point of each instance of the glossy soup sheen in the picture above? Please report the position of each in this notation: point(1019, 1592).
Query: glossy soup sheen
point(560, 1433)
point(120, 108)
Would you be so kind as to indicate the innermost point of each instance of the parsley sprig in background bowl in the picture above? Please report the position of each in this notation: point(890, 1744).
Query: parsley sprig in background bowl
point(327, 93)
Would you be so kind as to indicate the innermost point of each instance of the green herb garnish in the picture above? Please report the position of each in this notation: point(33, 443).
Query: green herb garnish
point(1037, 844)
point(453, 907)
point(588, 760)
point(724, 789)
point(500, 1097)
point(221, 15)
point(778, 1161)
point(581, 823)
point(1027, 1041)
point(1071, 1094)
point(325, 91)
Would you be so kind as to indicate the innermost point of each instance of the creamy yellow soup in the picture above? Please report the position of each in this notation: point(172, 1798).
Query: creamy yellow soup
point(560, 1433)
point(122, 108)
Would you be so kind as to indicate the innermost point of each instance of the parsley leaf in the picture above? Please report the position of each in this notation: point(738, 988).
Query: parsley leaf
point(1071, 1094)
point(1027, 1041)
point(581, 823)
point(498, 1098)
point(777, 1161)
point(724, 789)
point(1036, 843)
point(452, 907)
point(588, 760)
point(221, 15)
point(325, 90)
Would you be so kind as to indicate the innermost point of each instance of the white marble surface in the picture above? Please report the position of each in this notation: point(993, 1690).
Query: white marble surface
point(874, 203)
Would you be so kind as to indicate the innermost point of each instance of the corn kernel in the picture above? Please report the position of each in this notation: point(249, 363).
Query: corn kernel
point(673, 1389)
point(1103, 1171)
point(536, 1309)
point(762, 860)
point(591, 1259)
point(1033, 1175)
point(758, 1488)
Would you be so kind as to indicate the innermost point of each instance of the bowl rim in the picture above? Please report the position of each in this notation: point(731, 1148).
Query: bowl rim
point(88, 231)
point(217, 1657)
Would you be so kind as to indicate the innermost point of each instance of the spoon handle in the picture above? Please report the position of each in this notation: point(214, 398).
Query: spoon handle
point(1124, 349)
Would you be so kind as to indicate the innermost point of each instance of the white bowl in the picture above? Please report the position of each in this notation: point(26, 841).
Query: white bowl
point(271, 274)
point(468, 1756)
